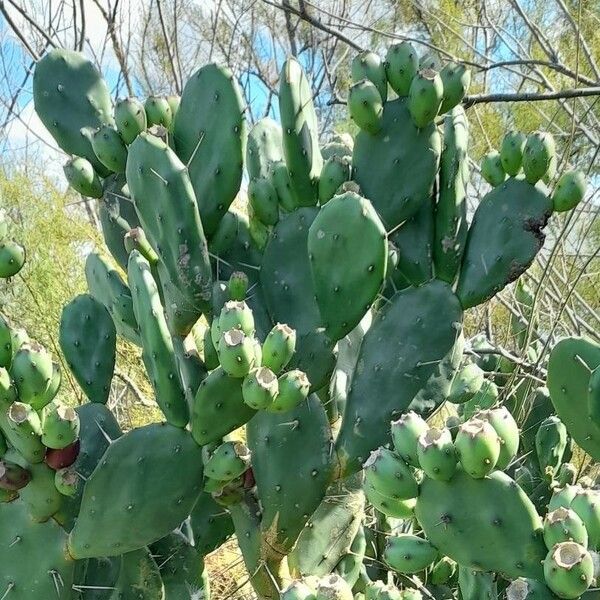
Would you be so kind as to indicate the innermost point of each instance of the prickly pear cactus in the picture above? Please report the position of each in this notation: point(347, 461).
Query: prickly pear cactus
point(297, 346)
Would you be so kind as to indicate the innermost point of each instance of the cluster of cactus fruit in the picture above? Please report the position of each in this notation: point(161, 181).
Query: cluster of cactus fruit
point(282, 340)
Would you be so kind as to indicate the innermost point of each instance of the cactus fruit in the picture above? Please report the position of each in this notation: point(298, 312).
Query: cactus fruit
point(442, 571)
point(492, 170)
point(333, 587)
point(406, 432)
point(456, 80)
point(466, 384)
point(538, 153)
point(478, 447)
point(425, 97)
point(279, 347)
point(511, 152)
point(293, 389)
point(82, 177)
point(227, 462)
point(508, 433)
point(158, 111)
point(365, 106)
point(260, 388)
point(401, 65)
point(130, 119)
point(12, 476)
point(60, 426)
point(66, 481)
point(408, 554)
point(550, 444)
point(564, 525)
point(32, 372)
point(110, 149)
point(263, 200)
point(563, 496)
point(63, 457)
point(389, 506)
point(12, 258)
point(586, 503)
point(389, 475)
point(236, 353)
point(569, 191)
point(369, 66)
point(236, 315)
point(335, 172)
point(436, 454)
point(345, 283)
point(568, 570)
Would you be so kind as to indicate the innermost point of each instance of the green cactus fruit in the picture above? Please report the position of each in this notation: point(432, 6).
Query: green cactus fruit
point(32, 371)
point(67, 481)
point(264, 201)
point(260, 388)
point(478, 447)
point(567, 474)
point(264, 148)
point(281, 181)
point(346, 283)
point(505, 536)
point(538, 155)
point(213, 149)
point(41, 496)
point(569, 191)
point(300, 133)
point(390, 507)
point(466, 384)
point(401, 65)
point(408, 554)
point(298, 590)
point(442, 571)
point(456, 80)
point(174, 102)
point(425, 97)
point(335, 172)
point(82, 177)
point(369, 66)
point(365, 106)
point(88, 340)
point(12, 258)
point(284, 471)
point(406, 432)
point(511, 152)
point(158, 111)
point(238, 286)
point(72, 100)
point(110, 149)
point(144, 459)
point(568, 570)
point(35, 563)
point(586, 503)
point(60, 426)
point(130, 118)
point(563, 496)
point(593, 396)
point(6, 348)
point(218, 407)
point(228, 461)
point(485, 398)
point(236, 315)
point(279, 347)
point(492, 170)
point(22, 428)
point(436, 453)
point(498, 250)
point(236, 353)
point(293, 390)
point(159, 184)
point(564, 525)
point(406, 172)
point(451, 208)
point(508, 432)
point(12, 476)
point(106, 285)
point(550, 445)
point(389, 475)
point(333, 587)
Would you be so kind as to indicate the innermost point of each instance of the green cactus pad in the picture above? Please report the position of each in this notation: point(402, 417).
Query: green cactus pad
point(139, 577)
point(6, 349)
point(500, 248)
point(290, 482)
point(550, 444)
point(218, 407)
point(421, 335)
point(213, 149)
point(33, 555)
point(166, 204)
point(264, 148)
point(571, 363)
point(476, 585)
point(88, 340)
point(503, 535)
point(390, 507)
point(405, 160)
point(346, 283)
point(158, 353)
point(300, 133)
point(264, 202)
point(350, 565)
point(210, 524)
point(451, 208)
point(116, 514)
point(72, 100)
point(107, 286)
